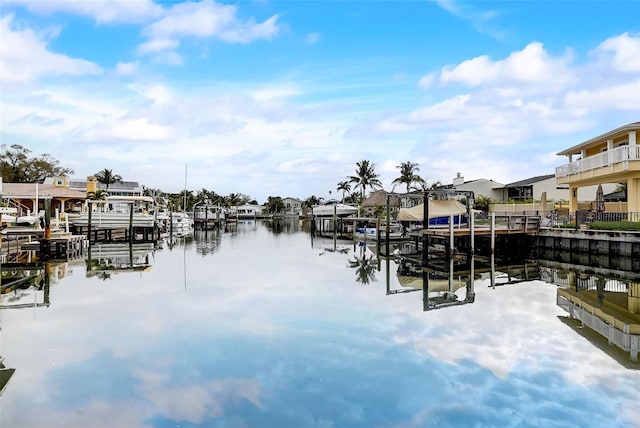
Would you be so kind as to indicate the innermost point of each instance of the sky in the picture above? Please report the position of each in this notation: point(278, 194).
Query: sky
point(282, 98)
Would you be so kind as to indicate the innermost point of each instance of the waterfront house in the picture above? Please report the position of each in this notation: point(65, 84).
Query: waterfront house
point(613, 157)
point(479, 187)
point(30, 197)
point(120, 188)
point(248, 211)
point(292, 206)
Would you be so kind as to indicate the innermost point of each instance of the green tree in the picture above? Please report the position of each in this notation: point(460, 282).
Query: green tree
point(17, 166)
point(343, 186)
point(366, 176)
point(365, 266)
point(423, 186)
point(107, 177)
point(233, 199)
point(408, 175)
point(274, 205)
point(483, 203)
point(98, 195)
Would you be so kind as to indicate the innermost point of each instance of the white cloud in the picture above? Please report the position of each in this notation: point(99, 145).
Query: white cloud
point(427, 80)
point(205, 19)
point(156, 45)
point(126, 68)
point(24, 56)
point(102, 11)
point(621, 52)
point(532, 65)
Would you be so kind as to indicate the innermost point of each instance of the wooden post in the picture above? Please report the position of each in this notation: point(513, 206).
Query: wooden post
point(472, 233)
point(90, 208)
point(388, 226)
point(451, 237)
point(131, 223)
point(493, 233)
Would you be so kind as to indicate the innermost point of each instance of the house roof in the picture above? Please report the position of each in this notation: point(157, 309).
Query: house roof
point(635, 126)
point(28, 191)
point(379, 197)
point(529, 181)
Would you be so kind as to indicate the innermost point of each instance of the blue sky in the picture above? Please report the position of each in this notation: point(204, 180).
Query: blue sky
point(284, 97)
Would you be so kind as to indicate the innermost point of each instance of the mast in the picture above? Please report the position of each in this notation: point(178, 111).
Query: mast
point(184, 198)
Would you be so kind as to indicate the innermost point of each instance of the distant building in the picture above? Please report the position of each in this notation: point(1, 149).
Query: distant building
point(379, 198)
point(292, 206)
point(532, 189)
point(248, 211)
point(479, 187)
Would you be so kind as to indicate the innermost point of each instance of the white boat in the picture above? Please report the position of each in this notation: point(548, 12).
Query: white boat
point(395, 231)
point(339, 210)
point(181, 223)
point(115, 213)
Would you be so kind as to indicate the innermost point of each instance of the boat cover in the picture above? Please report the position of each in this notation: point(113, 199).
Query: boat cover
point(437, 208)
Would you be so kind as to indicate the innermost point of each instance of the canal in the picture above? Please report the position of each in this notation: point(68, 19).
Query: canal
point(263, 325)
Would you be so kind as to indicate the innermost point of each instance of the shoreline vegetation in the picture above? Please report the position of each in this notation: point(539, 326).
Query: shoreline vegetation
point(17, 165)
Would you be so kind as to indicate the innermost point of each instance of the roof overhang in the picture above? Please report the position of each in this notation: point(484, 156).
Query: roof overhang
point(635, 126)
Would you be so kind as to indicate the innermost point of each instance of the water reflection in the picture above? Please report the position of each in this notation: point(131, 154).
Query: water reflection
point(602, 305)
point(440, 289)
point(104, 260)
point(365, 263)
point(207, 241)
point(273, 333)
point(27, 285)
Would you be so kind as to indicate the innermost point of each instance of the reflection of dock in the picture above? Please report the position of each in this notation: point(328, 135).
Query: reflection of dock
point(105, 259)
point(22, 282)
point(5, 375)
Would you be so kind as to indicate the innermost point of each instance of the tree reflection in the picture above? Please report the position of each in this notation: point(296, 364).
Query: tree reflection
point(365, 266)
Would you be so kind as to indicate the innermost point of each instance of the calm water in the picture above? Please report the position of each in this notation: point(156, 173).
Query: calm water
point(263, 329)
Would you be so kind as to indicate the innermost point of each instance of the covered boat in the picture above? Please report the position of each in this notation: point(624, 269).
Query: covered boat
point(440, 211)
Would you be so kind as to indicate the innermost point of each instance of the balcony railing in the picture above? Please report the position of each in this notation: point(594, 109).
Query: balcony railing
point(611, 157)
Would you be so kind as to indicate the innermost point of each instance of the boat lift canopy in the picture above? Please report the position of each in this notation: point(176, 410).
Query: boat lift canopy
point(437, 208)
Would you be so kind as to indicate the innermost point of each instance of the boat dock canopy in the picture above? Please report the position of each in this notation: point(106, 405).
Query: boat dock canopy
point(437, 208)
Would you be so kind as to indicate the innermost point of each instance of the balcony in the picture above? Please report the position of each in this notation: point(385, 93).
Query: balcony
point(617, 160)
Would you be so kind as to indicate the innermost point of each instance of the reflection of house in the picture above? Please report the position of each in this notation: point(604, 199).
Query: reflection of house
point(605, 300)
point(613, 157)
point(611, 308)
point(292, 206)
point(30, 196)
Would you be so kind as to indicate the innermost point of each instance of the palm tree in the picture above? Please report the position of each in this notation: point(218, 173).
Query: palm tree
point(98, 195)
point(343, 186)
point(483, 203)
point(107, 177)
point(408, 175)
point(365, 176)
point(365, 267)
point(274, 205)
